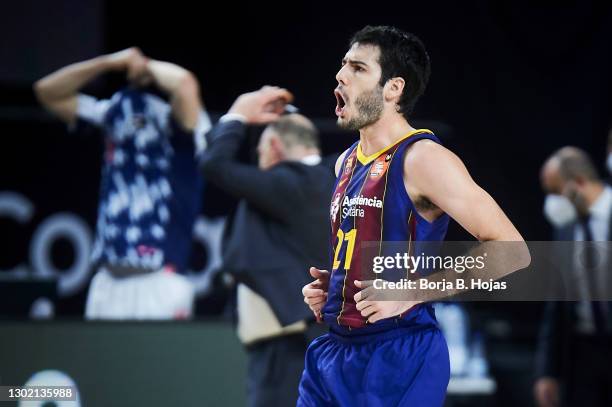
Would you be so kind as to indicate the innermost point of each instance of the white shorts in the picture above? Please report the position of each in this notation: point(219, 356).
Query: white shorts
point(157, 295)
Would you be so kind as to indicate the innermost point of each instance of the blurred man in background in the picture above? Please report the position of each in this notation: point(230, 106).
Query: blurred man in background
point(279, 228)
point(150, 189)
point(575, 346)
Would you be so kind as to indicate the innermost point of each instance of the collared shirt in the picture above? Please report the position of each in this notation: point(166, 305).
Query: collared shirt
point(312, 159)
point(256, 320)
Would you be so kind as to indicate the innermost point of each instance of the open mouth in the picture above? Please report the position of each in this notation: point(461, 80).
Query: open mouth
point(340, 102)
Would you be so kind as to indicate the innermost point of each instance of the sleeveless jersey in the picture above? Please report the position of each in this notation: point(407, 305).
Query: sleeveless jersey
point(370, 204)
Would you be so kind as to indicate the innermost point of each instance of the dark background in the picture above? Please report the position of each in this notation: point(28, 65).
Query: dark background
point(510, 83)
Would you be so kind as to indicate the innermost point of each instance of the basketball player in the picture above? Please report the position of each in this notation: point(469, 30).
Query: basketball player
point(150, 189)
point(397, 183)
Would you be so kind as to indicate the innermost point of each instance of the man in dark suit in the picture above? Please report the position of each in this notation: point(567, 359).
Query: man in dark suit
point(280, 228)
point(575, 346)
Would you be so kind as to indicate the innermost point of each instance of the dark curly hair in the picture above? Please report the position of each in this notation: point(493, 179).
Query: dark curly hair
point(401, 55)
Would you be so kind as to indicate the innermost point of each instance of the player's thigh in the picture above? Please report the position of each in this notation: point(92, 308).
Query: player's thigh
point(319, 365)
point(431, 373)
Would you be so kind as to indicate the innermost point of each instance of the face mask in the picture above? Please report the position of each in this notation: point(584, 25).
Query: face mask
point(609, 163)
point(558, 210)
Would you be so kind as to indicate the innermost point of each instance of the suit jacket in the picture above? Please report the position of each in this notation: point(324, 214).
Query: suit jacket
point(553, 354)
point(281, 224)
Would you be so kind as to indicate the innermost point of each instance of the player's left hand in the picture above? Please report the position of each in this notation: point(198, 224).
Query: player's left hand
point(373, 308)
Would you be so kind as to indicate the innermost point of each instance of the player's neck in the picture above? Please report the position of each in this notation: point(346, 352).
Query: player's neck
point(385, 132)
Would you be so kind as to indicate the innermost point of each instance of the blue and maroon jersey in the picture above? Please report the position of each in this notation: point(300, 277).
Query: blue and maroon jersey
point(370, 204)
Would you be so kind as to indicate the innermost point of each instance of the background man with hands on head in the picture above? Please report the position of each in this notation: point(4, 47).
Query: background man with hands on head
point(279, 229)
point(150, 190)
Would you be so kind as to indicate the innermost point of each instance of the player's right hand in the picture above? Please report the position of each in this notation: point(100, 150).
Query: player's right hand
point(315, 293)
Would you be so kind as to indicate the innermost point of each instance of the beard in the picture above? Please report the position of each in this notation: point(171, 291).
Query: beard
point(368, 109)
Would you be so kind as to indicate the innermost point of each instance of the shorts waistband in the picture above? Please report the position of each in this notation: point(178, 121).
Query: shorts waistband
point(390, 333)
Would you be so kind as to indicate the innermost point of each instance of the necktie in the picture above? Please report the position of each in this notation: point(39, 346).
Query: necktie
point(590, 264)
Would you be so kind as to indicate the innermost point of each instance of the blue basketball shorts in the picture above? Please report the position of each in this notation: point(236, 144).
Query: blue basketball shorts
point(405, 366)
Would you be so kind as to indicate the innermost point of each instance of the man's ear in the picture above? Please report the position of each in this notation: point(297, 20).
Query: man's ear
point(276, 144)
point(580, 180)
point(393, 89)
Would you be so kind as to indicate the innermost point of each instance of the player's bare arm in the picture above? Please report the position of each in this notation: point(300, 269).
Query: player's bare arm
point(180, 85)
point(437, 181)
point(58, 91)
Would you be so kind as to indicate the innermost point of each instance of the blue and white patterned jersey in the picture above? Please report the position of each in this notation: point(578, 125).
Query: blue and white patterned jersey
point(151, 188)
